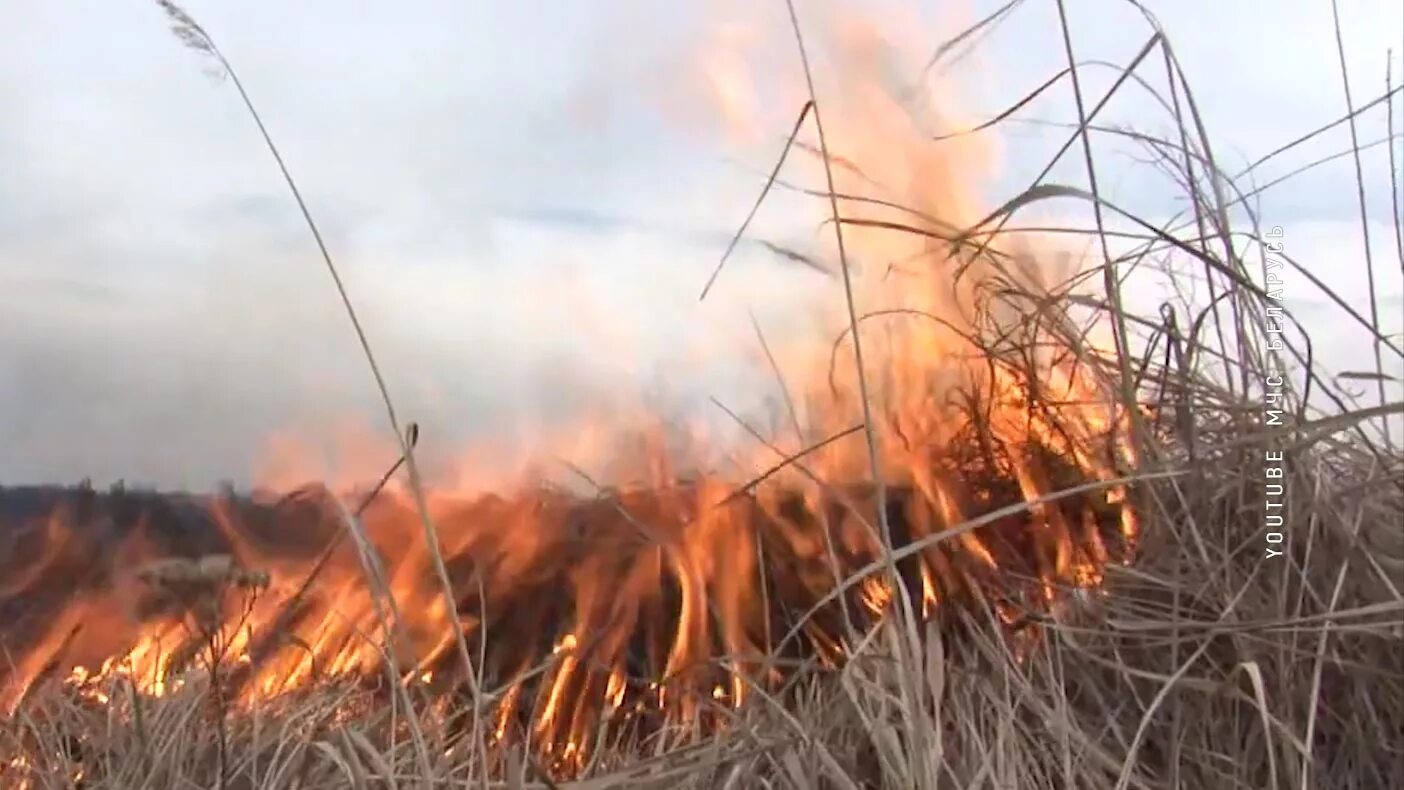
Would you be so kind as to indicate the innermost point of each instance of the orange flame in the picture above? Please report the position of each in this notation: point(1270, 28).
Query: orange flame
point(674, 593)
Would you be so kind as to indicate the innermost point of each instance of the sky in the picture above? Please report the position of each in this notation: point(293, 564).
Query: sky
point(525, 199)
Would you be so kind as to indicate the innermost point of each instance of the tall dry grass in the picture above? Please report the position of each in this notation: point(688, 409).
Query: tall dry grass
point(1203, 664)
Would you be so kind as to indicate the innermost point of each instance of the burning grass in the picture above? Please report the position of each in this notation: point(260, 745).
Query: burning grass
point(658, 609)
point(998, 551)
point(1211, 672)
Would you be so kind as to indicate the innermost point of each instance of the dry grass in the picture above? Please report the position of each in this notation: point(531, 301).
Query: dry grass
point(1203, 664)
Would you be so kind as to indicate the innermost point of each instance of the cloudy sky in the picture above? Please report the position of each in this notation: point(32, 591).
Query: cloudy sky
point(525, 199)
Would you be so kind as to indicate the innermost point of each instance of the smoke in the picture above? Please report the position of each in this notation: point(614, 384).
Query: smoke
point(164, 317)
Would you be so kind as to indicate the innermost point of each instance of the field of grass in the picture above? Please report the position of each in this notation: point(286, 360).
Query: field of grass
point(1216, 656)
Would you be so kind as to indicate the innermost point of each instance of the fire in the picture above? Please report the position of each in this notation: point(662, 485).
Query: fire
point(674, 591)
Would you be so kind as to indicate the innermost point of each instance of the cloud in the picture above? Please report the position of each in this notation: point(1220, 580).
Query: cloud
point(493, 180)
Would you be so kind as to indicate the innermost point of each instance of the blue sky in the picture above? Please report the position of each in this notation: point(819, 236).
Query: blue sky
point(162, 310)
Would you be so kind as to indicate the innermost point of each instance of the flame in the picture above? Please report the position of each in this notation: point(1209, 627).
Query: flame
point(668, 592)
